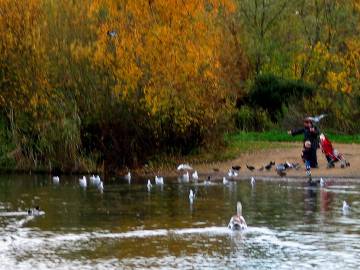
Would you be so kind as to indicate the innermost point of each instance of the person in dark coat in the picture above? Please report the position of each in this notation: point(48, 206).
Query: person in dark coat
point(311, 133)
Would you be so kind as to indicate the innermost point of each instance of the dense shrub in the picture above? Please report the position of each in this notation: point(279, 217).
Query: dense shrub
point(252, 119)
point(274, 93)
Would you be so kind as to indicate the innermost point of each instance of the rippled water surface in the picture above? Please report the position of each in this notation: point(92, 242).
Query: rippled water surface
point(291, 226)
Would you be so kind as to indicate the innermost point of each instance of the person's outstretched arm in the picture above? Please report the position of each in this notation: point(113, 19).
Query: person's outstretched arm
point(295, 132)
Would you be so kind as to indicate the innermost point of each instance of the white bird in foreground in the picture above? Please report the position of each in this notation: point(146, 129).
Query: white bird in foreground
point(195, 175)
point(345, 207)
point(232, 173)
point(184, 167)
point(252, 181)
point(159, 180)
point(128, 177)
point(225, 181)
point(56, 179)
point(237, 222)
point(322, 182)
point(149, 185)
point(82, 182)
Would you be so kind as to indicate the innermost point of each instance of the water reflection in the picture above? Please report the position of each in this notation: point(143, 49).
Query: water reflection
point(290, 224)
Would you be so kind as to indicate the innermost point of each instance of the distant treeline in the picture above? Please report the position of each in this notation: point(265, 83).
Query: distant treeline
point(110, 83)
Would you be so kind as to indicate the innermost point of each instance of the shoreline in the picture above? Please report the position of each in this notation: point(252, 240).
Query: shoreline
point(291, 152)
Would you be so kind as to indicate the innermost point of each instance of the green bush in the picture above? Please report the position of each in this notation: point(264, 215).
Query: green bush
point(273, 94)
point(249, 119)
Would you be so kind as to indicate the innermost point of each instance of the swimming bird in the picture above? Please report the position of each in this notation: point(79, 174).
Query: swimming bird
point(191, 195)
point(159, 180)
point(128, 177)
point(56, 180)
point(232, 173)
point(268, 166)
point(185, 177)
point(345, 208)
point(251, 168)
point(322, 182)
point(225, 181)
point(111, 33)
point(236, 168)
point(82, 182)
point(149, 185)
point(252, 181)
point(97, 180)
point(316, 118)
point(184, 167)
point(237, 222)
point(195, 175)
point(34, 211)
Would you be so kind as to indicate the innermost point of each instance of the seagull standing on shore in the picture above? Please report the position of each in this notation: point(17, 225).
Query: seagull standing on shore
point(232, 173)
point(225, 181)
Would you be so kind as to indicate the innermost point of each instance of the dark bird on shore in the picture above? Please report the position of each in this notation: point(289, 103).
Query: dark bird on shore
point(236, 168)
point(215, 169)
point(111, 33)
point(268, 167)
point(261, 168)
point(251, 168)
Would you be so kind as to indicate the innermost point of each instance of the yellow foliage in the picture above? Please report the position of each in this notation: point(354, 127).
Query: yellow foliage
point(165, 55)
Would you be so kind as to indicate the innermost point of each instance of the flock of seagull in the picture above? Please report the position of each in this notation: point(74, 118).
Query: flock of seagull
point(237, 222)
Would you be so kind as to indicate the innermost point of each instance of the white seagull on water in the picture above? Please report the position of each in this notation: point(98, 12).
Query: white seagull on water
point(82, 182)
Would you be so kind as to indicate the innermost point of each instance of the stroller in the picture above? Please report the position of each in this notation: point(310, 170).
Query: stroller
point(331, 154)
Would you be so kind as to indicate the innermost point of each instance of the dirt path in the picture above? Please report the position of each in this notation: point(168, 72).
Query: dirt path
point(289, 153)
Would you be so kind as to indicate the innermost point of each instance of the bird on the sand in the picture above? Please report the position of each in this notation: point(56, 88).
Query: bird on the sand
point(251, 168)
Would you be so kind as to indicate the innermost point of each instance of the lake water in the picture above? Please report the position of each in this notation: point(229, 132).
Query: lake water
point(291, 226)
